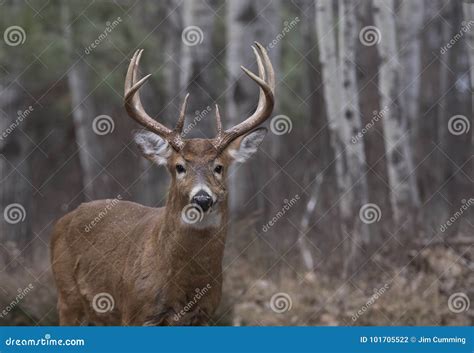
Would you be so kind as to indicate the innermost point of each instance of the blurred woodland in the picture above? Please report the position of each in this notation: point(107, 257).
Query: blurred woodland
point(357, 208)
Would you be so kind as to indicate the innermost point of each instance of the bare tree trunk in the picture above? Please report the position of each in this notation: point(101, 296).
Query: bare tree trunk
point(325, 27)
point(88, 131)
point(399, 155)
point(248, 21)
point(197, 63)
point(15, 178)
point(411, 15)
point(356, 189)
point(410, 25)
point(342, 103)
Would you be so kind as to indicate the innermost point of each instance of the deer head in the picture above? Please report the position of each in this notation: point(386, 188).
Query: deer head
point(198, 167)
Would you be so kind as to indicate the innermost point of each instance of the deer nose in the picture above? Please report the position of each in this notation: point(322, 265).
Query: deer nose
point(203, 200)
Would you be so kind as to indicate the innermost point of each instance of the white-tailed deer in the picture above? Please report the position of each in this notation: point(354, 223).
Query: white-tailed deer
point(120, 263)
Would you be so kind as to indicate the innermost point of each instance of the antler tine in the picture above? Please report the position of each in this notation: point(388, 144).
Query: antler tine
point(268, 66)
point(134, 106)
point(218, 123)
point(182, 115)
point(265, 103)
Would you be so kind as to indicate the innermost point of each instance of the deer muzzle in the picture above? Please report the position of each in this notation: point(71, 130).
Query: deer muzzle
point(203, 200)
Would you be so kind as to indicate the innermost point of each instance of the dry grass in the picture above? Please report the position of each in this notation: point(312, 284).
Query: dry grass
point(416, 294)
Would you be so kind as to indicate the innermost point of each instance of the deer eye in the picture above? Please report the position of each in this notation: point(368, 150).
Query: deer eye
point(180, 168)
point(218, 169)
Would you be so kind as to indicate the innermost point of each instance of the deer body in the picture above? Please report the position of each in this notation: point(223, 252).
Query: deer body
point(121, 263)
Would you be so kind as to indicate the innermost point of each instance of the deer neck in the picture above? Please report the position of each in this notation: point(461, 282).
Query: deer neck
point(188, 257)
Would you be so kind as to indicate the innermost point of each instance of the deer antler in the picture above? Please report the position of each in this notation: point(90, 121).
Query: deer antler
point(264, 108)
point(265, 105)
point(135, 109)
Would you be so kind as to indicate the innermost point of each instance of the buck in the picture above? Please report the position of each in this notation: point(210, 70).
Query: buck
point(116, 262)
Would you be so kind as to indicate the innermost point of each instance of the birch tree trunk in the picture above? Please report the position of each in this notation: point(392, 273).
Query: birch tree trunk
point(325, 29)
point(403, 190)
point(89, 143)
point(249, 21)
point(356, 189)
point(342, 109)
point(197, 63)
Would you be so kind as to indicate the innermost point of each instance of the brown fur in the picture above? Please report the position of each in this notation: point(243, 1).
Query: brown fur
point(145, 258)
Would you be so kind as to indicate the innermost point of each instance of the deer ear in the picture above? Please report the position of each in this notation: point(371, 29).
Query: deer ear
point(244, 147)
point(153, 147)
